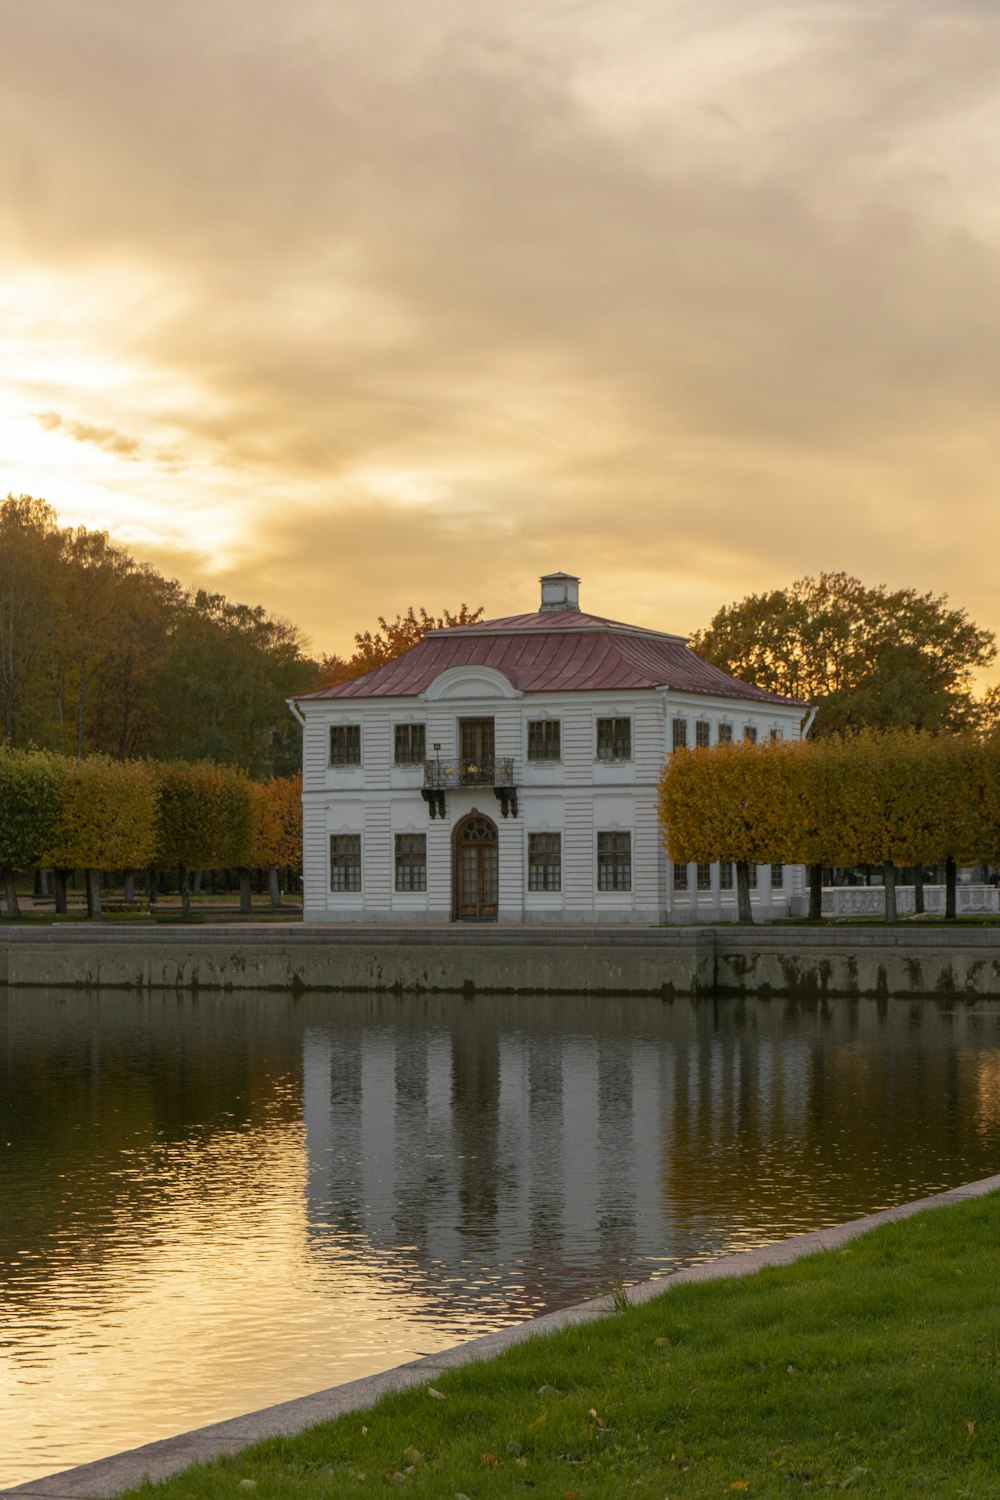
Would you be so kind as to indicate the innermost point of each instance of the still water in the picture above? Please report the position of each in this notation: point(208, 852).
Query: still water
point(211, 1204)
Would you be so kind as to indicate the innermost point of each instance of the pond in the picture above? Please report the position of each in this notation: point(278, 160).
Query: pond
point(210, 1204)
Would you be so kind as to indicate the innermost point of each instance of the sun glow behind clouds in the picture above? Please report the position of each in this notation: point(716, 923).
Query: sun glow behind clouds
point(93, 420)
point(346, 311)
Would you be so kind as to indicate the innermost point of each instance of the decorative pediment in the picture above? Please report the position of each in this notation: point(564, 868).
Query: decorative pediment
point(470, 682)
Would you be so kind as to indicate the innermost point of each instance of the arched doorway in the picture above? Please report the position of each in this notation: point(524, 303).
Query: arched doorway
point(475, 869)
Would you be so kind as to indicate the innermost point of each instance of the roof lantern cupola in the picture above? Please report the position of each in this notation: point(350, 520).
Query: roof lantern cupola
point(560, 591)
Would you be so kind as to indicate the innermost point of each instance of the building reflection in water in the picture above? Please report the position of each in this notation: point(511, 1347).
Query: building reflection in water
point(210, 1204)
point(525, 1153)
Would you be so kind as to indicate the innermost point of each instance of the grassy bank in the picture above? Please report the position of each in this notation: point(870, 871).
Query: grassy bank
point(874, 1369)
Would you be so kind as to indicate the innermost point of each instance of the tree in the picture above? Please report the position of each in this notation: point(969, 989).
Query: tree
point(106, 822)
point(277, 830)
point(373, 650)
point(224, 685)
point(30, 795)
point(30, 551)
point(725, 803)
point(866, 657)
point(204, 820)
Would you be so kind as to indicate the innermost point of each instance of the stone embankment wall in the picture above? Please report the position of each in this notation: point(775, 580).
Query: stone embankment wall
point(587, 961)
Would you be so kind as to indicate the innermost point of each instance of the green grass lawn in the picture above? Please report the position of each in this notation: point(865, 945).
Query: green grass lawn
point(874, 1369)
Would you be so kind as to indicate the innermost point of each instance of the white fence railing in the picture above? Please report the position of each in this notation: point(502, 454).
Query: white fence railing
point(869, 900)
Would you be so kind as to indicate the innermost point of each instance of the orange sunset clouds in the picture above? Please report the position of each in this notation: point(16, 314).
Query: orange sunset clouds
point(339, 306)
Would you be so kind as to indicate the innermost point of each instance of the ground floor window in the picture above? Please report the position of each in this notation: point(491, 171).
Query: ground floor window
point(777, 877)
point(703, 875)
point(345, 862)
point(726, 876)
point(680, 877)
point(544, 862)
point(614, 861)
point(411, 862)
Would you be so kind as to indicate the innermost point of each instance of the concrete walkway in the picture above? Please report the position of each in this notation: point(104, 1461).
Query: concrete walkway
point(109, 1476)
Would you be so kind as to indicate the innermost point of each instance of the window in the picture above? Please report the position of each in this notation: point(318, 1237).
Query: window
point(544, 742)
point(750, 733)
point(753, 877)
point(345, 744)
point(726, 876)
point(702, 732)
point(777, 877)
point(776, 735)
point(725, 734)
point(704, 877)
point(345, 862)
point(476, 743)
point(614, 860)
point(409, 744)
point(411, 862)
point(680, 877)
point(544, 862)
point(679, 732)
point(614, 740)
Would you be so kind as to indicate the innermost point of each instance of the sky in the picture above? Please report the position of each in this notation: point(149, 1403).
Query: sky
point(338, 307)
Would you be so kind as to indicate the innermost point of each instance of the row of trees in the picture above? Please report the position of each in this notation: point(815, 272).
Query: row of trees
point(97, 814)
point(894, 800)
point(100, 654)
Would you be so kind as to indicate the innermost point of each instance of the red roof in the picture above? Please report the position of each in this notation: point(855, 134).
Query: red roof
point(554, 651)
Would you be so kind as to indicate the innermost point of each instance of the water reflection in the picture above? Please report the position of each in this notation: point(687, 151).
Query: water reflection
point(211, 1204)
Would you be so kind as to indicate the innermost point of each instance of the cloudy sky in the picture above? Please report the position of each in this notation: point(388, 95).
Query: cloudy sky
point(339, 305)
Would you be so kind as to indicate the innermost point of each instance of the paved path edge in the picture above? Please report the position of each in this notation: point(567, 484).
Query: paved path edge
point(153, 1461)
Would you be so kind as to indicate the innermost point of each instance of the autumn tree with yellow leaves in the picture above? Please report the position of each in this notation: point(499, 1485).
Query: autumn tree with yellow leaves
point(106, 821)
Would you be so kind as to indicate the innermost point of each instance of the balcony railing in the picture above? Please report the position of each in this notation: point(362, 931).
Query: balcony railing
point(447, 775)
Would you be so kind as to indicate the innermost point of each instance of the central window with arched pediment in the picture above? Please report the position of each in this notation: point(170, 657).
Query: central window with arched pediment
point(475, 867)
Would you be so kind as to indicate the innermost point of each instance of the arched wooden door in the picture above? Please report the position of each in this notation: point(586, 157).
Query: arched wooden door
point(475, 869)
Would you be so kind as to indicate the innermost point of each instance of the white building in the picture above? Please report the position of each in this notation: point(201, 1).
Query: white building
point(506, 771)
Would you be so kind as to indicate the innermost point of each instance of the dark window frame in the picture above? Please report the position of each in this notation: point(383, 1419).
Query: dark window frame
point(613, 739)
point(545, 861)
point(403, 737)
point(678, 734)
point(680, 876)
point(544, 739)
point(345, 862)
point(410, 862)
point(349, 751)
point(614, 860)
point(702, 733)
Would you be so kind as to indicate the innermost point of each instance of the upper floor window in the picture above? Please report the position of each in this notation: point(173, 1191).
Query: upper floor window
point(345, 862)
point(679, 733)
point(750, 733)
point(544, 862)
point(725, 735)
point(614, 861)
point(702, 732)
point(345, 744)
point(409, 744)
point(544, 739)
point(614, 739)
point(411, 862)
